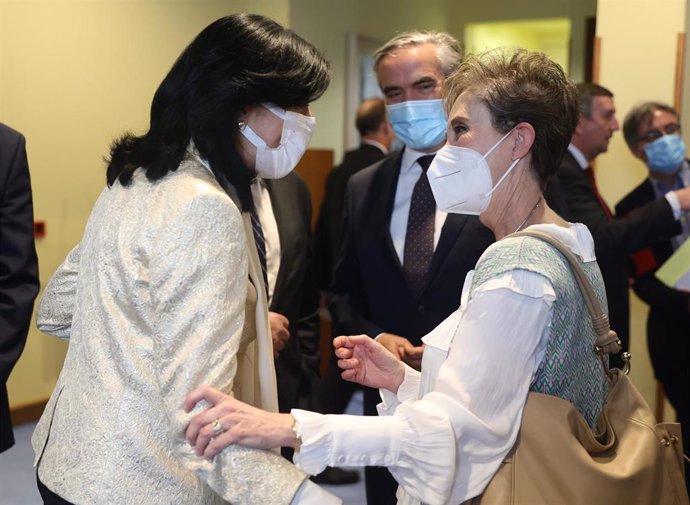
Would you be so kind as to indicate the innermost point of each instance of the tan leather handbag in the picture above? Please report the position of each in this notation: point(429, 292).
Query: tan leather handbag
point(557, 460)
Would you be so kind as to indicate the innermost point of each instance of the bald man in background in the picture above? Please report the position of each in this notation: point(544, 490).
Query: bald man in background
point(376, 138)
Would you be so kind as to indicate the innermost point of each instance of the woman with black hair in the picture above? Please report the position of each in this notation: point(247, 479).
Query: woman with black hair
point(165, 290)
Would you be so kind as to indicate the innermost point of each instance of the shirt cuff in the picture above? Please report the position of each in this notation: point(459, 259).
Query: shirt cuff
point(343, 440)
point(311, 494)
point(407, 391)
point(673, 201)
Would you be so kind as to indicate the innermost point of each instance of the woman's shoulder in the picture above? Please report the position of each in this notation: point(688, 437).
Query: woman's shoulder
point(191, 194)
point(191, 183)
point(532, 254)
point(576, 237)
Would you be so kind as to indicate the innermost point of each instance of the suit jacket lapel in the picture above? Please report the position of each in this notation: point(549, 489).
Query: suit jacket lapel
point(385, 187)
point(449, 235)
point(283, 213)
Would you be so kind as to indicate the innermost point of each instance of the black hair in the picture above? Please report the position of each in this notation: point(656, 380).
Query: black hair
point(236, 61)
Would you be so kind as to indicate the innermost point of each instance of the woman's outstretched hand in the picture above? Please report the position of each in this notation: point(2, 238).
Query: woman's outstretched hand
point(229, 421)
point(367, 362)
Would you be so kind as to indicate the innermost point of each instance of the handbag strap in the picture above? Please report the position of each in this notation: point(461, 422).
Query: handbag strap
point(607, 342)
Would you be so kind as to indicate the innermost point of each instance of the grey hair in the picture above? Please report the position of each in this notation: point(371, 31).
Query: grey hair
point(448, 50)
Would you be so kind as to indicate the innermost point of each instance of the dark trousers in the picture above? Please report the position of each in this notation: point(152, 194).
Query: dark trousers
point(379, 483)
point(49, 498)
point(335, 392)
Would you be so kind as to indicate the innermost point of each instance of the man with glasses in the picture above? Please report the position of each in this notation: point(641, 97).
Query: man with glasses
point(652, 132)
point(615, 238)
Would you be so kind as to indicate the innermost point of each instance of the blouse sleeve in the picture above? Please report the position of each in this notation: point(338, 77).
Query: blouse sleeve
point(198, 288)
point(56, 306)
point(407, 391)
point(454, 438)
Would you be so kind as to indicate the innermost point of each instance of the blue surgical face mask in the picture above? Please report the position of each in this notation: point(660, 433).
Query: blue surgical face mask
point(420, 124)
point(665, 154)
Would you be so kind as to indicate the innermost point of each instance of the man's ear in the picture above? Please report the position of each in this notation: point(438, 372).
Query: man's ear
point(524, 140)
point(578, 126)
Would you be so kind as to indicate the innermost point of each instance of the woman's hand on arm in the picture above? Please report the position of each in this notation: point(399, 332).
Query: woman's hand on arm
point(237, 423)
point(369, 363)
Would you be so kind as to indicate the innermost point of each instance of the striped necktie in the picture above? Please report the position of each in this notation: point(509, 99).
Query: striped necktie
point(260, 241)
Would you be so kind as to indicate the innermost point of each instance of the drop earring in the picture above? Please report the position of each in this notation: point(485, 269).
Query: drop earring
point(242, 125)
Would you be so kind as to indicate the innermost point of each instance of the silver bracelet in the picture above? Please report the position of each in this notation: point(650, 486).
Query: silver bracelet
point(298, 435)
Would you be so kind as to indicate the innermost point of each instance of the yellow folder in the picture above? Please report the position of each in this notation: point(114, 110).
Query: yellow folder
point(675, 272)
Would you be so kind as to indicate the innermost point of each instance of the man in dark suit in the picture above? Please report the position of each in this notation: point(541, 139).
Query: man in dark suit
point(284, 210)
point(376, 136)
point(18, 264)
point(652, 132)
point(614, 238)
point(381, 287)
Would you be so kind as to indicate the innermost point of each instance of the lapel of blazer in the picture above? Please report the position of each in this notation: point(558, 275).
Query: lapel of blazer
point(283, 210)
point(383, 188)
point(663, 249)
point(260, 351)
point(449, 235)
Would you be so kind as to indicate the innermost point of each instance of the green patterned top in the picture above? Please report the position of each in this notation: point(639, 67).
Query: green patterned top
point(570, 369)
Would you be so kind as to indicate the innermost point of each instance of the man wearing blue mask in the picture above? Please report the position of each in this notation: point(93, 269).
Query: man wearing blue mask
point(403, 260)
point(615, 238)
point(652, 132)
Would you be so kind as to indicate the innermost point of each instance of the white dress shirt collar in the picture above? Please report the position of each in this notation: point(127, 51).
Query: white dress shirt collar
point(579, 157)
point(409, 158)
point(379, 145)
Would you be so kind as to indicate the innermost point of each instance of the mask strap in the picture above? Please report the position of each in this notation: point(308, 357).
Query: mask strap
point(278, 111)
point(252, 136)
point(512, 166)
point(498, 143)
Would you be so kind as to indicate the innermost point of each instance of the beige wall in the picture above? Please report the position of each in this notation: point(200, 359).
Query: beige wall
point(463, 11)
point(73, 75)
point(638, 51)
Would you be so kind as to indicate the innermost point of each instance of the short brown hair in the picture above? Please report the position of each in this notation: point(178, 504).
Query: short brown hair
point(522, 86)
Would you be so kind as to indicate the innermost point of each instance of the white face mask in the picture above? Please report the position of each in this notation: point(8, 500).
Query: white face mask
point(277, 162)
point(460, 179)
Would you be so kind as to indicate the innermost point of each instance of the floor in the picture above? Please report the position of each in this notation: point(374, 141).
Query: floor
point(18, 479)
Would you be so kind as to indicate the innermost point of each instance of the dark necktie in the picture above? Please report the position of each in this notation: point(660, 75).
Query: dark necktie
point(260, 241)
point(419, 237)
point(593, 182)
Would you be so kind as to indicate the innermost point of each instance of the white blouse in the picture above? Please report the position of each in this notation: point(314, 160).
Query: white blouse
point(447, 430)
